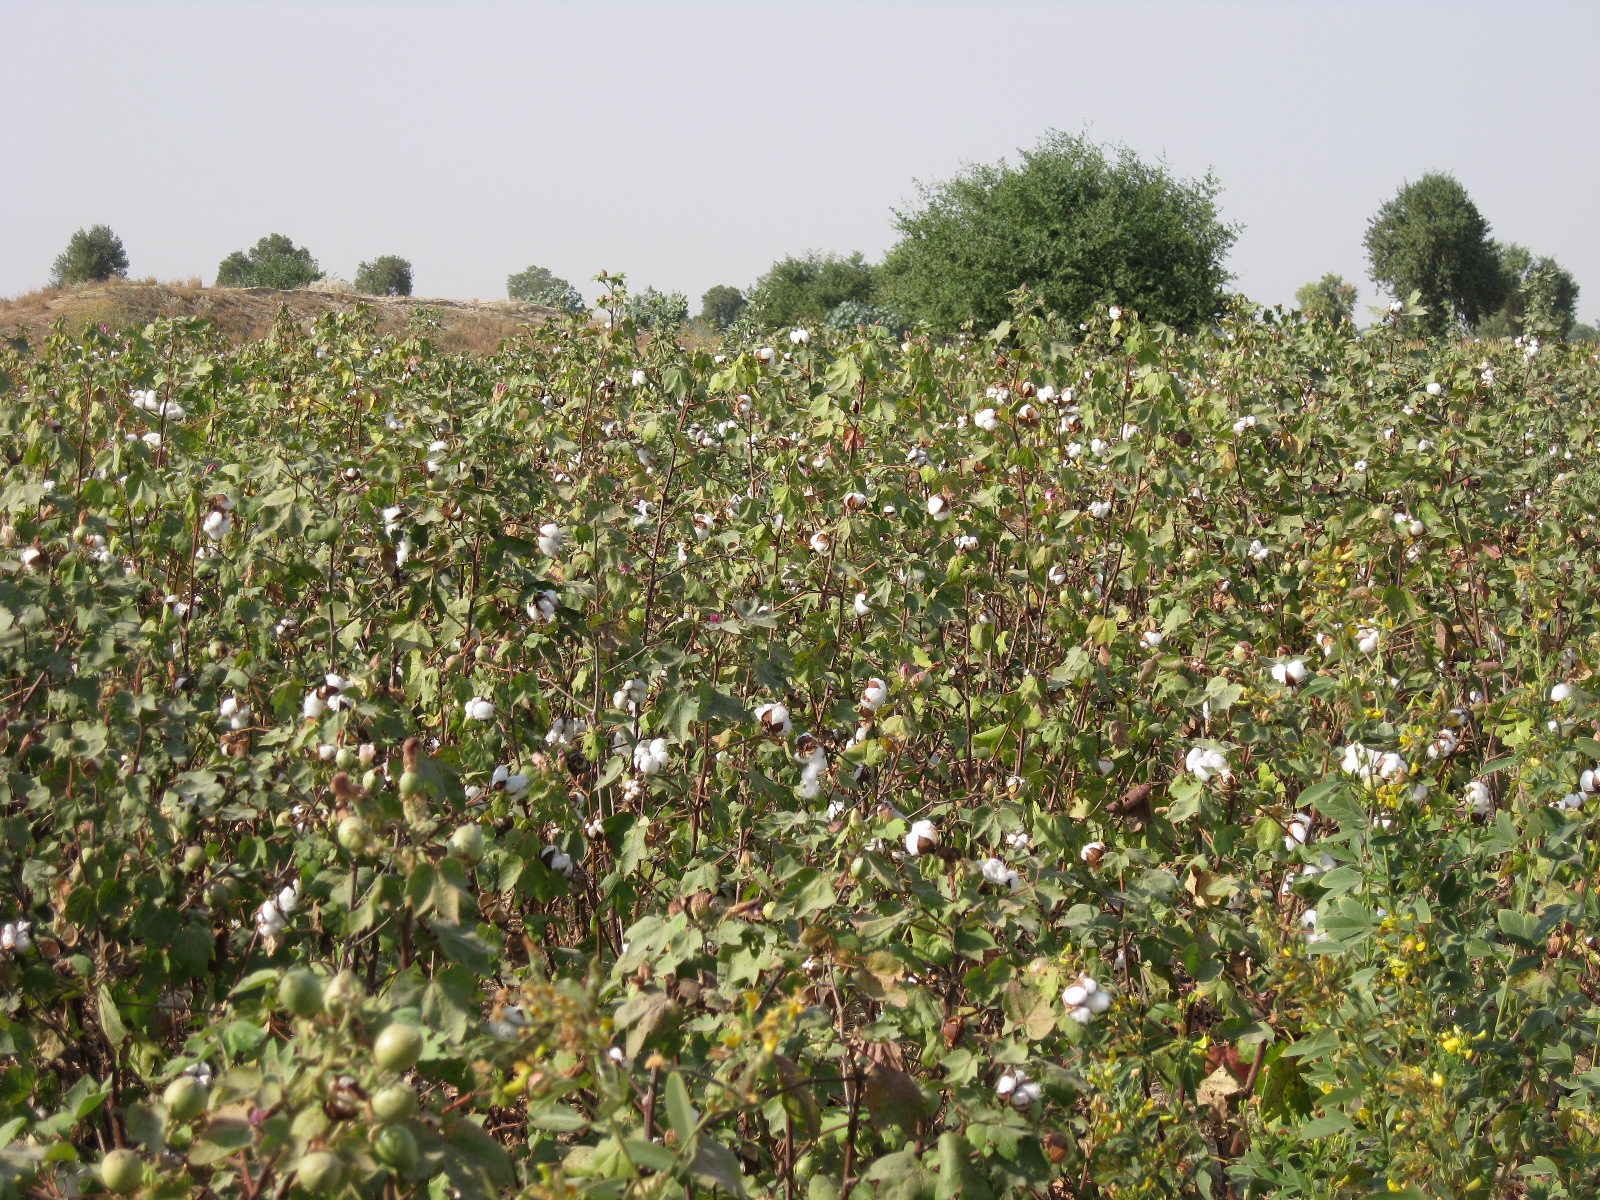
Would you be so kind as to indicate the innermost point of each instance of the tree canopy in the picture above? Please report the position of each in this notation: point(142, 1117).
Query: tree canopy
point(721, 305)
point(1541, 296)
point(274, 262)
point(386, 275)
point(1332, 297)
point(1080, 225)
point(540, 285)
point(806, 288)
point(1431, 239)
point(91, 254)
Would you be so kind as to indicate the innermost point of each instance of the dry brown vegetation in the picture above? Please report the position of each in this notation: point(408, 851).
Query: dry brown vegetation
point(244, 314)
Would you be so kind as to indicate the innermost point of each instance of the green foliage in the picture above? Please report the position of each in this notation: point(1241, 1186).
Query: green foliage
point(1431, 239)
point(537, 285)
point(848, 315)
point(91, 255)
point(1080, 226)
point(389, 751)
point(1541, 297)
point(1331, 297)
point(804, 289)
point(273, 262)
point(659, 311)
point(386, 275)
point(721, 306)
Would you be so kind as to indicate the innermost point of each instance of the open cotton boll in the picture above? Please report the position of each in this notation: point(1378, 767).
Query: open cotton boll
point(1368, 639)
point(774, 719)
point(997, 873)
point(921, 838)
point(313, 706)
point(557, 860)
point(651, 758)
point(1150, 639)
point(799, 337)
point(986, 419)
point(217, 525)
point(821, 542)
point(875, 695)
point(551, 539)
point(938, 508)
point(638, 378)
point(1098, 509)
point(862, 608)
point(1479, 798)
point(543, 606)
point(1205, 764)
point(1560, 693)
point(478, 709)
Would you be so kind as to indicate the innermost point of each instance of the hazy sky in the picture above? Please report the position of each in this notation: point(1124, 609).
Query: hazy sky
point(690, 144)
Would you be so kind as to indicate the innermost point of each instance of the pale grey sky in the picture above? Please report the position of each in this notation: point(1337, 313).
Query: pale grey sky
point(691, 143)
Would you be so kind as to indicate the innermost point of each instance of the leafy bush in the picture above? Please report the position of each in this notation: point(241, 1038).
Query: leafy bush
point(660, 311)
point(273, 262)
point(1331, 297)
point(536, 285)
point(1541, 297)
point(805, 289)
point(386, 275)
point(91, 255)
point(1105, 761)
point(721, 305)
point(1080, 226)
point(1431, 239)
point(850, 314)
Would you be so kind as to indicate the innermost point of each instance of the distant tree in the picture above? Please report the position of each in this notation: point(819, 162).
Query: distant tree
point(808, 287)
point(661, 311)
point(537, 285)
point(386, 275)
point(1329, 297)
point(721, 306)
point(274, 262)
point(1541, 296)
point(848, 315)
point(1079, 224)
point(91, 254)
point(1431, 239)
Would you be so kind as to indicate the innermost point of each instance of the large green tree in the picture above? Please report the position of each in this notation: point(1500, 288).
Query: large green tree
point(1079, 224)
point(386, 275)
point(721, 305)
point(1431, 239)
point(540, 285)
point(1331, 297)
point(274, 262)
point(91, 254)
point(806, 288)
point(1541, 296)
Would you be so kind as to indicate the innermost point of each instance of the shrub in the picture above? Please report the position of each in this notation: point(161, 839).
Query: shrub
point(1432, 240)
point(1541, 296)
point(537, 285)
point(1079, 225)
point(1330, 297)
point(386, 275)
point(92, 254)
point(806, 288)
point(848, 315)
point(274, 262)
point(721, 305)
point(659, 311)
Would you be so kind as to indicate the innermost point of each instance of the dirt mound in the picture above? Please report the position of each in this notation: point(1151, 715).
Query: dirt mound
point(246, 313)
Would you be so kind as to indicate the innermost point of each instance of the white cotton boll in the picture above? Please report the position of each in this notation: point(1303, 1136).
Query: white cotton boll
point(1056, 575)
point(1098, 1002)
point(862, 609)
point(1105, 766)
point(775, 720)
point(1244, 423)
point(1114, 312)
point(938, 508)
point(1571, 802)
point(1026, 1094)
point(1074, 995)
point(1006, 1084)
point(1259, 551)
point(1098, 509)
point(1046, 394)
point(638, 378)
point(289, 899)
point(1360, 466)
point(269, 921)
point(217, 525)
point(543, 606)
point(1589, 781)
point(875, 695)
point(1434, 389)
point(1416, 528)
point(1296, 669)
point(1075, 450)
point(478, 709)
point(326, 751)
point(765, 354)
point(821, 543)
point(557, 860)
point(997, 873)
point(1092, 853)
point(229, 707)
point(1083, 1014)
point(1099, 447)
point(1369, 638)
point(1130, 431)
point(1151, 638)
point(1560, 693)
point(1479, 798)
point(551, 538)
point(1424, 445)
point(1019, 840)
point(799, 337)
point(313, 706)
point(922, 838)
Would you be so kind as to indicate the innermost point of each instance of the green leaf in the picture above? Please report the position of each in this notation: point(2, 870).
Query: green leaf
point(1521, 928)
point(681, 1115)
point(714, 1166)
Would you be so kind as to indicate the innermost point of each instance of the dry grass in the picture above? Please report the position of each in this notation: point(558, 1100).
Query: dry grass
point(245, 314)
